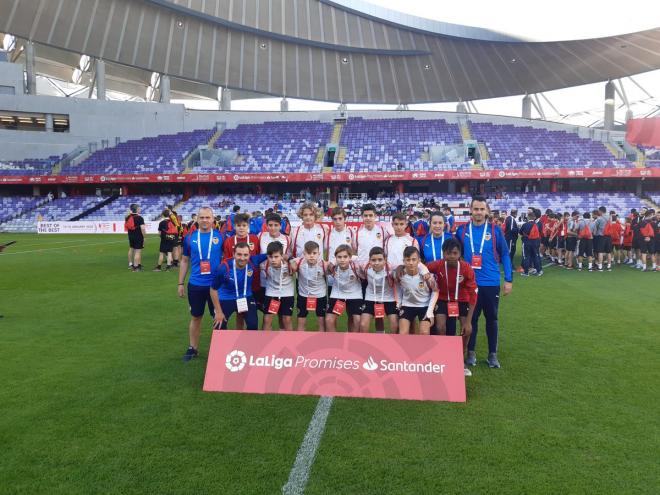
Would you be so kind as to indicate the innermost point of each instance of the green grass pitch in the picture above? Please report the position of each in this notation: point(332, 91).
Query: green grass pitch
point(95, 397)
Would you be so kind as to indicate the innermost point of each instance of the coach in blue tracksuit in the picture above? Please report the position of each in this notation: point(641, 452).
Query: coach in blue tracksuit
point(484, 247)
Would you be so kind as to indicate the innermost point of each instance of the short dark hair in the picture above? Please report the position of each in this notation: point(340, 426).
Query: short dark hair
point(369, 207)
point(451, 244)
point(586, 215)
point(240, 245)
point(274, 247)
point(337, 210)
point(399, 216)
point(481, 199)
point(602, 209)
point(376, 250)
point(575, 213)
point(134, 207)
point(310, 246)
point(235, 208)
point(409, 251)
point(273, 217)
point(437, 214)
point(241, 218)
point(166, 213)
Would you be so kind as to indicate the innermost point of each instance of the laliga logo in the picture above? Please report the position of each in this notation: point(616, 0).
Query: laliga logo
point(370, 364)
point(235, 361)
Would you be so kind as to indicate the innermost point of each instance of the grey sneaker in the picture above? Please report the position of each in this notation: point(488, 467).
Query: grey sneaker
point(471, 359)
point(466, 371)
point(492, 360)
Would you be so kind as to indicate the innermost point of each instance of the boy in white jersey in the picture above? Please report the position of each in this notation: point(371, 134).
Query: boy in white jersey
point(312, 285)
point(395, 244)
point(370, 234)
point(380, 298)
point(339, 234)
point(277, 279)
point(273, 233)
point(346, 295)
point(419, 294)
point(308, 231)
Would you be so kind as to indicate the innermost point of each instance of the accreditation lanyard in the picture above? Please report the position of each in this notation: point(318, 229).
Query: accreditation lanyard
point(442, 237)
point(236, 281)
point(382, 291)
point(204, 265)
point(458, 276)
point(477, 257)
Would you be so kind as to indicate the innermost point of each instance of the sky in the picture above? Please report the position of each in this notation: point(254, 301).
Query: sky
point(556, 20)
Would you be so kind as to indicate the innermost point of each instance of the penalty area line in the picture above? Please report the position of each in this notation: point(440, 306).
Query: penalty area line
point(302, 466)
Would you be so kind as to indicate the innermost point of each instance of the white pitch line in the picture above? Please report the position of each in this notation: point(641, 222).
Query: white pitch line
point(307, 451)
point(62, 247)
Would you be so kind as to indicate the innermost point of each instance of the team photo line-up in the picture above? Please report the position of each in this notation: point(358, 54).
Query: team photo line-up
point(421, 273)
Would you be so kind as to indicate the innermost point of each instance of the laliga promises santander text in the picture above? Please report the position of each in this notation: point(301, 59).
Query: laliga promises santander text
point(237, 361)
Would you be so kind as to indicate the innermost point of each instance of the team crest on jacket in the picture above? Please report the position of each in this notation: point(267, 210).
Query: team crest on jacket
point(487, 236)
point(378, 235)
point(460, 279)
point(421, 285)
point(251, 245)
point(249, 272)
point(348, 240)
point(216, 240)
point(318, 235)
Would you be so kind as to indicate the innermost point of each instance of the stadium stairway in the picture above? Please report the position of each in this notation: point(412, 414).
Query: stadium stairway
point(94, 208)
point(615, 150)
point(466, 134)
point(215, 137)
point(320, 155)
point(336, 131)
point(650, 204)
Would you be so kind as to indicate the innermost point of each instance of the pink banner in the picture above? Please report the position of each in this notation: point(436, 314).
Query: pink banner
point(413, 367)
point(557, 173)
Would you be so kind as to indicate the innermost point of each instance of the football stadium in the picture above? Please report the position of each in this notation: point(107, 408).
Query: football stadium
point(329, 247)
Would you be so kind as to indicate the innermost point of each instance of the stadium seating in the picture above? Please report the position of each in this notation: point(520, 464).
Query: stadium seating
point(284, 147)
point(222, 204)
point(152, 155)
point(59, 209)
point(29, 166)
point(150, 207)
point(513, 147)
point(381, 145)
point(14, 206)
point(621, 202)
point(655, 197)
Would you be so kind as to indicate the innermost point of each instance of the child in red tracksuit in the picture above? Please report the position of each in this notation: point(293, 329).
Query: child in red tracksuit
point(457, 291)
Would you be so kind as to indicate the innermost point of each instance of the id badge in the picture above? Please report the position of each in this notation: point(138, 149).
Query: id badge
point(379, 310)
point(205, 267)
point(311, 304)
point(452, 309)
point(476, 261)
point(242, 305)
point(339, 307)
point(274, 306)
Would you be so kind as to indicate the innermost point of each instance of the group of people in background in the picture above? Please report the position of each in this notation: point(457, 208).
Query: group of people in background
point(595, 241)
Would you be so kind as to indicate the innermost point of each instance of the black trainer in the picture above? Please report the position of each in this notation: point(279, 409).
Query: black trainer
point(190, 354)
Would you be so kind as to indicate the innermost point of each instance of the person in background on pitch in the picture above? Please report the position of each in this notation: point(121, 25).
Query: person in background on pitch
point(511, 232)
point(531, 245)
point(168, 232)
point(231, 290)
point(586, 241)
point(136, 229)
point(484, 247)
point(202, 253)
point(457, 292)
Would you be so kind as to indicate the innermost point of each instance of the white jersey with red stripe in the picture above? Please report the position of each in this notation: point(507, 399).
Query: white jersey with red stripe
point(336, 238)
point(394, 246)
point(416, 291)
point(346, 284)
point(265, 238)
point(311, 279)
point(366, 239)
point(300, 235)
point(278, 282)
point(380, 286)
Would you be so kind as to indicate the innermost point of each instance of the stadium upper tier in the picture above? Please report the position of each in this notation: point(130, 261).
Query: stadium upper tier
point(512, 147)
point(364, 145)
point(160, 154)
point(151, 206)
point(380, 145)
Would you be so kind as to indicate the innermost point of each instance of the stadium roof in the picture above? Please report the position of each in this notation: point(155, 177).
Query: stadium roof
point(316, 49)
